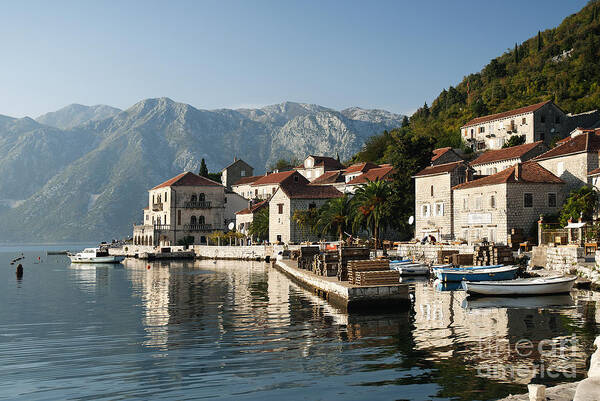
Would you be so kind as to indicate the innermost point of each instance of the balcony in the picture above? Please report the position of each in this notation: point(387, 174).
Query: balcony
point(197, 227)
point(197, 205)
point(162, 227)
point(157, 207)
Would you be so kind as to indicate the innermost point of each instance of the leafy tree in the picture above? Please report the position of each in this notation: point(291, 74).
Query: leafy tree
point(216, 237)
point(259, 227)
point(284, 165)
point(405, 121)
point(214, 176)
point(374, 208)
point(514, 140)
point(203, 169)
point(581, 202)
point(335, 216)
point(307, 220)
point(186, 241)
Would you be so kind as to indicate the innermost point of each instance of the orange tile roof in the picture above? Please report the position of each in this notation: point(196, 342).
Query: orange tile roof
point(278, 178)
point(497, 116)
point(303, 191)
point(360, 167)
point(380, 173)
point(253, 208)
point(586, 142)
point(188, 179)
point(439, 169)
point(514, 152)
point(437, 153)
point(595, 171)
point(328, 177)
point(531, 173)
point(247, 180)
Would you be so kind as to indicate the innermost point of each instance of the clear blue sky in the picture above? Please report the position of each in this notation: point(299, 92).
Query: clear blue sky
point(393, 55)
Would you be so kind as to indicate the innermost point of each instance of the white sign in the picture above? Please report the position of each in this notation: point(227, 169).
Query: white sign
point(479, 218)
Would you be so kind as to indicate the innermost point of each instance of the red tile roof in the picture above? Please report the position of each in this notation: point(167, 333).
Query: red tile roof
point(586, 142)
point(531, 173)
point(329, 177)
point(248, 180)
point(253, 208)
point(278, 178)
point(439, 169)
point(303, 191)
point(328, 162)
point(514, 152)
point(491, 117)
point(380, 173)
point(437, 153)
point(188, 179)
point(360, 167)
point(595, 171)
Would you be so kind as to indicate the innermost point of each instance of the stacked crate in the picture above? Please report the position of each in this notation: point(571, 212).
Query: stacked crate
point(492, 255)
point(355, 267)
point(307, 256)
point(462, 259)
point(348, 255)
point(444, 256)
point(515, 238)
point(388, 277)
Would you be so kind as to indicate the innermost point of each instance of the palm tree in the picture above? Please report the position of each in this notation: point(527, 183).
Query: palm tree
point(259, 227)
point(373, 207)
point(335, 216)
point(307, 220)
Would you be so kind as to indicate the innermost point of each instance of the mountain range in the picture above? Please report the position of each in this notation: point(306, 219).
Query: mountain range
point(82, 172)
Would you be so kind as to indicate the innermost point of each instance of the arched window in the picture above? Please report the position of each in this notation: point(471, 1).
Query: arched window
point(194, 198)
point(201, 197)
point(193, 220)
point(432, 190)
point(201, 220)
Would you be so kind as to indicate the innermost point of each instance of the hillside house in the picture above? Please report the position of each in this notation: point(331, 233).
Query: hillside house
point(383, 172)
point(315, 166)
point(494, 161)
point(434, 198)
point(243, 186)
point(444, 156)
point(265, 186)
point(491, 206)
point(186, 205)
point(235, 171)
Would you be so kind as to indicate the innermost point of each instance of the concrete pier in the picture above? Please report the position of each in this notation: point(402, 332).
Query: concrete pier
point(348, 296)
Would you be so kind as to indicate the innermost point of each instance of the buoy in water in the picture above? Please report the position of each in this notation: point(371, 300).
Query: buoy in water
point(19, 271)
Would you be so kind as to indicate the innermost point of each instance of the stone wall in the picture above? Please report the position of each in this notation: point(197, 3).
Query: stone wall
point(429, 252)
point(232, 252)
point(572, 169)
point(564, 258)
point(442, 194)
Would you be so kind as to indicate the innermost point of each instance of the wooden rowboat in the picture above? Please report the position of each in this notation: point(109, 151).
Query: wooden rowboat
point(490, 274)
point(526, 286)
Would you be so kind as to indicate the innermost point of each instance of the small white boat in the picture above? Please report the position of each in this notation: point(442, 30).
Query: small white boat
point(413, 269)
point(94, 255)
point(526, 286)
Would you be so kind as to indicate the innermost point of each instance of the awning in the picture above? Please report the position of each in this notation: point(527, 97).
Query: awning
point(575, 225)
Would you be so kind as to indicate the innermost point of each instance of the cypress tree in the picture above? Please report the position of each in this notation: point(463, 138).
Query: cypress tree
point(405, 121)
point(516, 54)
point(338, 157)
point(203, 169)
point(539, 41)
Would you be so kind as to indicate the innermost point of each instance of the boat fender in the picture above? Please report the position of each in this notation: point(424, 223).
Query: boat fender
point(19, 271)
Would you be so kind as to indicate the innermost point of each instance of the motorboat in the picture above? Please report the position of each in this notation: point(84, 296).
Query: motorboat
point(489, 274)
point(413, 269)
point(525, 286)
point(94, 255)
point(532, 302)
point(437, 268)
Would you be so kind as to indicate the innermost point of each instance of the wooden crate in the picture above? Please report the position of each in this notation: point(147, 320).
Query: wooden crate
point(388, 277)
point(462, 259)
point(442, 254)
point(355, 266)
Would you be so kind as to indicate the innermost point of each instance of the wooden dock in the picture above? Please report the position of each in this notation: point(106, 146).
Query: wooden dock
point(371, 298)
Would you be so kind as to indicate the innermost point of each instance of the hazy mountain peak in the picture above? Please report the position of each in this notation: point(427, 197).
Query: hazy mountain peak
point(77, 114)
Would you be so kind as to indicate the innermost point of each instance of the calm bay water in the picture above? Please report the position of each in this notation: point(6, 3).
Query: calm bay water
point(243, 330)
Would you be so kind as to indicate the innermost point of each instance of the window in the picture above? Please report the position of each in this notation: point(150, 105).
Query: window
point(280, 208)
point(472, 132)
point(493, 201)
point(542, 136)
point(431, 190)
point(296, 178)
point(193, 198)
point(465, 234)
point(165, 196)
point(478, 203)
point(543, 118)
point(523, 121)
point(147, 217)
point(551, 199)
point(225, 200)
point(425, 210)
point(243, 173)
point(465, 203)
point(492, 234)
point(278, 238)
point(193, 220)
point(201, 220)
point(528, 200)
point(179, 217)
point(481, 130)
point(439, 209)
point(560, 168)
point(201, 197)
point(557, 120)
point(275, 188)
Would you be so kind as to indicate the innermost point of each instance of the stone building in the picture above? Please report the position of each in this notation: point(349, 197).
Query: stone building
point(290, 197)
point(444, 156)
point(244, 217)
point(243, 186)
point(235, 171)
point(494, 161)
point(383, 172)
point(573, 159)
point(335, 178)
point(187, 205)
point(265, 186)
point(537, 122)
point(315, 166)
point(490, 207)
point(356, 170)
point(434, 198)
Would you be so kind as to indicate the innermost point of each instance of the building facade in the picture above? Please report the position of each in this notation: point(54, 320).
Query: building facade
point(267, 185)
point(494, 161)
point(235, 171)
point(315, 166)
point(184, 206)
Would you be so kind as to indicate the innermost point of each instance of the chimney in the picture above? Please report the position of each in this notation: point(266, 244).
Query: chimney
point(518, 172)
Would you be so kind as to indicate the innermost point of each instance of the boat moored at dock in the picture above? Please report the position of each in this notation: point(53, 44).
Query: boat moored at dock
point(486, 274)
point(95, 255)
point(525, 286)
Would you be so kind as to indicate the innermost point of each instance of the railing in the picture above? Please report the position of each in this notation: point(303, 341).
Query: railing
point(157, 207)
point(197, 227)
point(162, 227)
point(197, 205)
